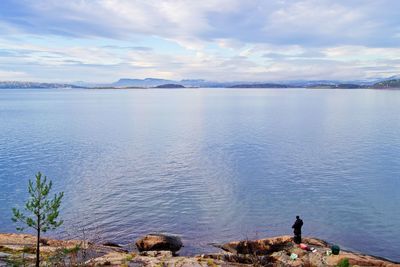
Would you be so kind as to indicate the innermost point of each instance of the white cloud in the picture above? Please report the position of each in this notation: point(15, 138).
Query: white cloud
point(348, 53)
point(292, 22)
point(221, 40)
point(13, 75)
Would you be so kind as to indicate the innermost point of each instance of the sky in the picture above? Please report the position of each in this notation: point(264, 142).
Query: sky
point(218, 40)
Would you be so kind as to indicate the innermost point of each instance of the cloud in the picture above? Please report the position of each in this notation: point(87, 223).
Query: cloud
point(362, 53)
point(211, 39)
point(314, 22)
point(13, 75)
point(253, 62)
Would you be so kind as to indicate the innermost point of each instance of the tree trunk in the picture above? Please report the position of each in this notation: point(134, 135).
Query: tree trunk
point(38, 248)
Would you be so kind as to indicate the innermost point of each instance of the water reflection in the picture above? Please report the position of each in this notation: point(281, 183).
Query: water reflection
point(210, 165)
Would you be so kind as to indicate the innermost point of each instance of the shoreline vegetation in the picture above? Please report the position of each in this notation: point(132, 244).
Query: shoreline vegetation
point(150, 83)
point(156, 250)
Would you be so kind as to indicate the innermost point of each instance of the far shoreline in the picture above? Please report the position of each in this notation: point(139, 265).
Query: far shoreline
point(233, 89)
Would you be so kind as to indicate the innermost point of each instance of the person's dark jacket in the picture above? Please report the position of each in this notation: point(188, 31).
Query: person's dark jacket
point(297, 226)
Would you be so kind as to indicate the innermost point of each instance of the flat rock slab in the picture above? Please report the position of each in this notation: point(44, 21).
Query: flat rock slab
point(278, 250)
point(30, 240)
point(158, 259)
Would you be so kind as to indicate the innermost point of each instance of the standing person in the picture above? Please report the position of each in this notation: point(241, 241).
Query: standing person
point(297, 230)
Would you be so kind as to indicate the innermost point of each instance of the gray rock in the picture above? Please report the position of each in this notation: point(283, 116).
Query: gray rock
point(4, 255)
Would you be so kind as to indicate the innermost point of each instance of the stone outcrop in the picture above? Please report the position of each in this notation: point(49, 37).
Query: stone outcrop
point(278, 250)
point(274, 251)
point(267, 245)
point(13, 247)
point(159, 242)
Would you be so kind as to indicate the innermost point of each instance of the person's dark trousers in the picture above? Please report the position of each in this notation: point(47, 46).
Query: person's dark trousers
point(297, 239)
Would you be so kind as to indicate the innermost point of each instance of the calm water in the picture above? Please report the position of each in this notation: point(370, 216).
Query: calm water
point(210, 165)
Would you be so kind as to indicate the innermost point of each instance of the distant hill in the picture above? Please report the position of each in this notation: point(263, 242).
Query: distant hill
point(148, 82)
point(34, 85)
point(259, 85)
point(390, 82)
point(170, 85)
point(394, 83)
point(337, 86)
point(153, 82)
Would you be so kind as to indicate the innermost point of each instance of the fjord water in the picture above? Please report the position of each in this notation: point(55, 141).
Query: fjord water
point(210, 165)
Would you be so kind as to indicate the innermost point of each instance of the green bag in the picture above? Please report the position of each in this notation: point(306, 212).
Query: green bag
point(335, 249)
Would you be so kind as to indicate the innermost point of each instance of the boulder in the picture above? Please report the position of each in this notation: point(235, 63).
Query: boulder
point(159, 242)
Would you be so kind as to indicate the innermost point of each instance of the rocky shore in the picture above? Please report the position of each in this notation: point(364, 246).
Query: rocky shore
point(161, 250)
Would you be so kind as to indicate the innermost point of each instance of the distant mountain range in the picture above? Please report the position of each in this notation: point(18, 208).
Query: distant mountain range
point(391, 82)
point(394, 83)
point(153, 82)
point(16, 84)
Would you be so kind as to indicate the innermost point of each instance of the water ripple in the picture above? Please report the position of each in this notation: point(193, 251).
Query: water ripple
point(210, 165)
